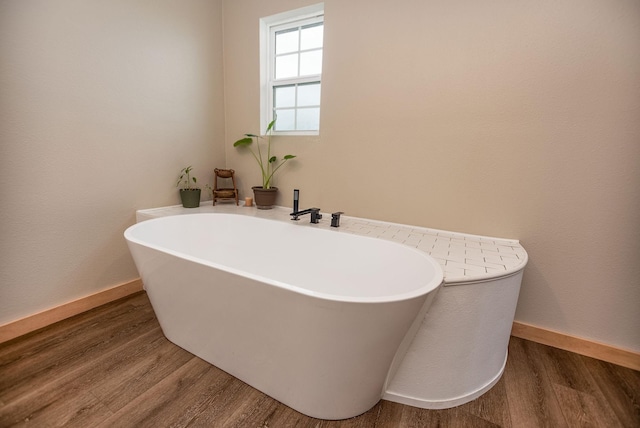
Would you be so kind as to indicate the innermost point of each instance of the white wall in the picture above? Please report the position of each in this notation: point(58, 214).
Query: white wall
point(509, 118)
point(515, 119)
point(102, 103)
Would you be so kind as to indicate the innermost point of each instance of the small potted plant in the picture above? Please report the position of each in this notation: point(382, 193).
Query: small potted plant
point(265, 195)
point(189, 195)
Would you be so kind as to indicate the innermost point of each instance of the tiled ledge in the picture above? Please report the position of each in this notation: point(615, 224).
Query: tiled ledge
point(464, 258)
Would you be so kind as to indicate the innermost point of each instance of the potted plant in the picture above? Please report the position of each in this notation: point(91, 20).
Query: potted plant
point(265, 195)
point(189, 195)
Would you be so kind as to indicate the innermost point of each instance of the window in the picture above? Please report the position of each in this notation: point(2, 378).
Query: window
point(291, 70)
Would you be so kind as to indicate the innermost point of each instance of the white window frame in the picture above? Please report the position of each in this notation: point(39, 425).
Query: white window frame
point(268, 27)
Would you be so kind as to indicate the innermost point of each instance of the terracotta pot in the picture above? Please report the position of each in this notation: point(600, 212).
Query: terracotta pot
point(190, 198)
point(265, 199)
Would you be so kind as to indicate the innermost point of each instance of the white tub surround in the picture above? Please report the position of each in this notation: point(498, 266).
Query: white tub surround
point(459, 348)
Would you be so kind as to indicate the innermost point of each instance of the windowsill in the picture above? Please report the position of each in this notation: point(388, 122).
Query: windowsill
point(296, 133)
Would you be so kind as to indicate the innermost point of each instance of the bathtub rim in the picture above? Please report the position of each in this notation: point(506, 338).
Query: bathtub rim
point(171, 210)
point(431, 285)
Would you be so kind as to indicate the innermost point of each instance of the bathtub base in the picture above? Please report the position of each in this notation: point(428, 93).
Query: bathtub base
point(326, 372)
point(425, 403)
point(460, 351)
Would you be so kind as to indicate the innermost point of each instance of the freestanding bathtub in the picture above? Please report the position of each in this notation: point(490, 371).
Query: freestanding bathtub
point(450, 355)
point(315, 319)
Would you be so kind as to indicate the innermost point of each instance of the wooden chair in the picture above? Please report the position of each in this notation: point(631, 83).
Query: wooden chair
point(224, 193)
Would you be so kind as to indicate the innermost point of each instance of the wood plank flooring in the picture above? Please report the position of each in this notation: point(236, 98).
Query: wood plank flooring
point(112, 367)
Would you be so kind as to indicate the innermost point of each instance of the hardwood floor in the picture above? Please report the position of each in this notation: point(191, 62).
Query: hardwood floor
point(112, 367)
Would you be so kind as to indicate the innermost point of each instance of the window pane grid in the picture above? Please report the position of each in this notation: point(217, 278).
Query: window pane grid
point(294, 74)
point(297, 106)
point(298, 51)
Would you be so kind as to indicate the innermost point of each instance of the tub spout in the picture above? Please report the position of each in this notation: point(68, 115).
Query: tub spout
point(315, 214)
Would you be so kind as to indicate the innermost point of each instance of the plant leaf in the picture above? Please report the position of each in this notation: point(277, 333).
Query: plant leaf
point(273, 122)
point(287, 157)
point(272, 159)
point(243, 142)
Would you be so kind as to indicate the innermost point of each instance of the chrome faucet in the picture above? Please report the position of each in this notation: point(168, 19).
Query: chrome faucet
point(315, 212)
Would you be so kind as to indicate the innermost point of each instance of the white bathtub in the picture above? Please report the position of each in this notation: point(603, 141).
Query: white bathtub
point(459, 347)
point(315, 319)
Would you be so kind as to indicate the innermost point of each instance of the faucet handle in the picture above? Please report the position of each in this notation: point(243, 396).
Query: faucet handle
point(335, 219)
point(315, 215)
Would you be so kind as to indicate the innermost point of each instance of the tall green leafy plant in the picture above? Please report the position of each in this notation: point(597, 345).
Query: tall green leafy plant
point(269, 164)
